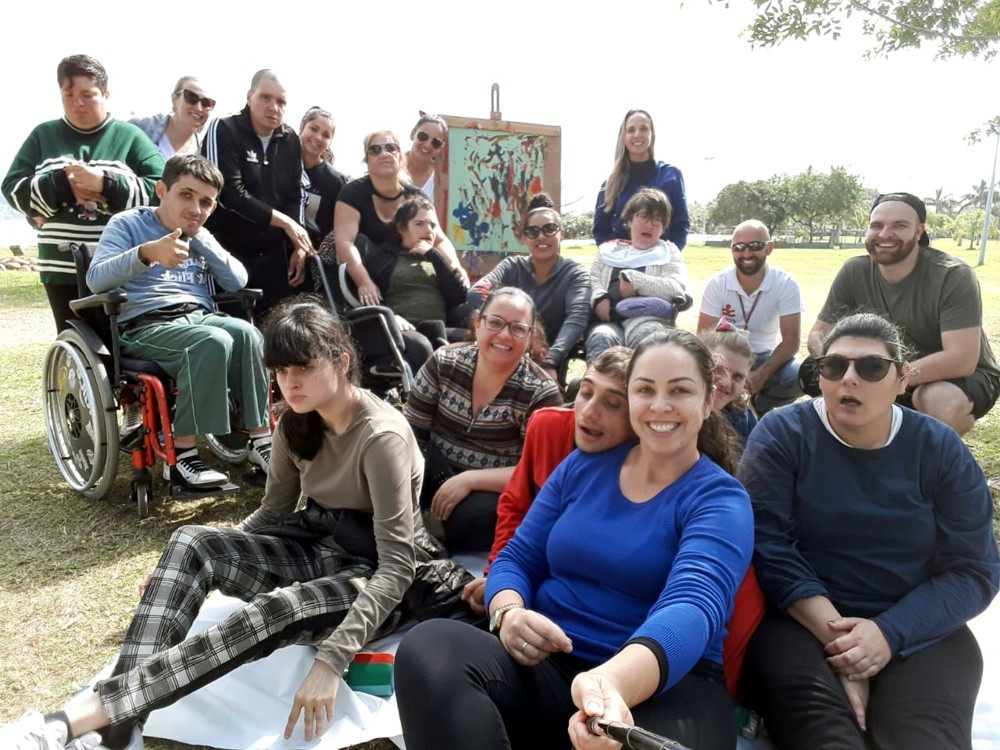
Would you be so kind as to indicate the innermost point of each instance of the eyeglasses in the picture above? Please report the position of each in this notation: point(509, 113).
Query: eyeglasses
point(549, 230)
point(870, 367)
point(648, 218)
point(756, 246)
point(436, 143)
point(192, 98)
point(376, 148)
point(518, 329)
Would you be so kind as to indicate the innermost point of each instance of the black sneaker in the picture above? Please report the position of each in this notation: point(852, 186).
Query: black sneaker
point(260, 452)
point(191, 472)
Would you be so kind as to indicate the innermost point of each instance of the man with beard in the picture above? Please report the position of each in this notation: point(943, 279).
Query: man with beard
point(934, 298)
point(764, 302)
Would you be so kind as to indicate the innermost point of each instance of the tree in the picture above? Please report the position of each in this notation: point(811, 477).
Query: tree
point(969, 224)
point(953, 27)
point(698, 215)
point(818, 200)
point(764, 200)
point(578, 226)
point(943, 204)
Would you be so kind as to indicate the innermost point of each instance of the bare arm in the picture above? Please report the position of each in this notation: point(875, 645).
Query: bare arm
point(706, 322)
point(958, 358)
point(819, 332)
point(346, 223)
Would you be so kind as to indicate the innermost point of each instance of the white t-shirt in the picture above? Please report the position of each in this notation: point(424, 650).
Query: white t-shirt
point(760, 312)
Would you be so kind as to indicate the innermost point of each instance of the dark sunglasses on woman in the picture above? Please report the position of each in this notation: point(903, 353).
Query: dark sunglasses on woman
point(376, 148)
point(192, 98)
point(423, 137)
point(549, 230)
point(870, 367)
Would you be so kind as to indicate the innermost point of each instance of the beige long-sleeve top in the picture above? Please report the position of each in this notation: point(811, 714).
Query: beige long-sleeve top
point(375, 466)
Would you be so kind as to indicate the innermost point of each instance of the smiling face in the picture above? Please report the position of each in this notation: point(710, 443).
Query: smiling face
point(196, 114)
point(501, 350)
point(315, 138)
point(424, 147)
point(84, 104)
point(186, 204)
point(857, 407)
point(423, 226)
point(543, 247)
point(894, 231)
point(750, 262)
point(267, 106)
point(638, 136)
point(601, 413)
point(668, 402)
point(730, 376)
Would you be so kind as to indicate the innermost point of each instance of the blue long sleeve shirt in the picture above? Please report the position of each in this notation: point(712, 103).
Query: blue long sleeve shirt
point(116, 264)
point(664, 177)
point(901, 534)
point(609, 571)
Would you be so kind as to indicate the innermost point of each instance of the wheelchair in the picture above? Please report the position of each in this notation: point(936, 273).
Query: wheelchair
point(375, 334)
point(85, 380)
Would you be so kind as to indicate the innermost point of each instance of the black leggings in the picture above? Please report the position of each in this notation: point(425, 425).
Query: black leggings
point(925, 700)
point(60, 295)
point(457, 687)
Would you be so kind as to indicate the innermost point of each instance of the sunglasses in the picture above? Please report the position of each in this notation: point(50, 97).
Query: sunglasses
point(870, 367)
point(518, 329)
point(549, 230)
point(192, 98)
point(377, 148)
point(436, 143)
point(756, 246)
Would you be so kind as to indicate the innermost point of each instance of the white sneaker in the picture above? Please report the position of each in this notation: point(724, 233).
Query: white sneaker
point(260, 452)
point(192, 472)
point(131, 423)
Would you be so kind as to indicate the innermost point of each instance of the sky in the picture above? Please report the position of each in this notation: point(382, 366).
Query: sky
point(723, 111)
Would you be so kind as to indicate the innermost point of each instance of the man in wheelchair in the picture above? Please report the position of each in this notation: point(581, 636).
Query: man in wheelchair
point(169, 265)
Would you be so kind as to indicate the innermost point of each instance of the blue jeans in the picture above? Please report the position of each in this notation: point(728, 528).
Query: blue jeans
point(780, 389)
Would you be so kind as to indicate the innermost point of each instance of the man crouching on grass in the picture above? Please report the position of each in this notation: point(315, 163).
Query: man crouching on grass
point(169, 265)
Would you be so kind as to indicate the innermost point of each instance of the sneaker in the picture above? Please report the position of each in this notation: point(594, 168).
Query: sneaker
point(260, 452)
point(131, 423)
point(33, 732)
point(191, 472)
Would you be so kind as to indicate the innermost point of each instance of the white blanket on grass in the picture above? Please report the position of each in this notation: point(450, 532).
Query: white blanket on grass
point(247, 709)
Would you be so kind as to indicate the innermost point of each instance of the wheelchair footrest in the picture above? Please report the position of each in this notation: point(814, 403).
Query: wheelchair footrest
point(183, 493)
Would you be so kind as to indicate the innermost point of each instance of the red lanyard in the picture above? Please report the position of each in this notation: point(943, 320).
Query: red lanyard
point(748, 315)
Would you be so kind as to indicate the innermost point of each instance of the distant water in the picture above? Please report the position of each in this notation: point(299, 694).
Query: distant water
point(17, 232)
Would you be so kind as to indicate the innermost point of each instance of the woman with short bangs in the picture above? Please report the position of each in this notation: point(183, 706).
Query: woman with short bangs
point(559, 287)
point(365, 207)
point(422, 160)
point(469, 409)
point(874, 547)
point(733, 358)
point(612, 597)
point(180, 131)
point(315, 135)
point(636, 168)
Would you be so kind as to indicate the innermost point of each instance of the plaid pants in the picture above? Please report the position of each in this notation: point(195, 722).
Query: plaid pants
point(296, 593)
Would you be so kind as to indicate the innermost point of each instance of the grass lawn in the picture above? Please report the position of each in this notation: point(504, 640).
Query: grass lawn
point(68, 565)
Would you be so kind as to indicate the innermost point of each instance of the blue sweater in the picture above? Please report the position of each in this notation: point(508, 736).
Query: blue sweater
point(902, 534)
point(664, 177)
point(116, 264)
point(609, 571)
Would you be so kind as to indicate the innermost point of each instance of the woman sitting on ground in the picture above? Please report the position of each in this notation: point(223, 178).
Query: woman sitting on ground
point(180, 131)
point(874, 546)
point(368, 204)
point(613, 595)
point(733, 358)
point(635, 168)
point(469, 408)
point(560, 287)
point(315, 135)
point(416, 282)
point(428, 138)
point(636, 284)
point(328, 576)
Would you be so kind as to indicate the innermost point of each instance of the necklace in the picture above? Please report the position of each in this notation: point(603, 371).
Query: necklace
point(387, 197)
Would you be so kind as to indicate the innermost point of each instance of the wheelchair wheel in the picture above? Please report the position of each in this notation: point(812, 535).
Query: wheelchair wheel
point(141, 491)
point(231, 448)
point(81, 418)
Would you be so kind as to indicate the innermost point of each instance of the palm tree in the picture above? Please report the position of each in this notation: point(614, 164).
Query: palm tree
point(943, 204)
point(975, 198)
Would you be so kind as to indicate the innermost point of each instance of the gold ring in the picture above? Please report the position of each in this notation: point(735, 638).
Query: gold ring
point(524, 646)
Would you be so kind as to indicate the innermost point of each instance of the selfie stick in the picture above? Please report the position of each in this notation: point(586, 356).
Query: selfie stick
point(633, 738)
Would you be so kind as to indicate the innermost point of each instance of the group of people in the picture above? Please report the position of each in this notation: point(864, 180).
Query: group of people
point(621, 531)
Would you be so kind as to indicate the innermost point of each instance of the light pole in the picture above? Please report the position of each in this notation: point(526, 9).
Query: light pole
point(989, 205)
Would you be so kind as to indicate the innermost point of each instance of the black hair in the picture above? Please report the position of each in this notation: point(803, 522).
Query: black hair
point(82, 65)
point(870, 326)
point(297, 331)
point(191, 164)
point(715, 438)
point(406, 211)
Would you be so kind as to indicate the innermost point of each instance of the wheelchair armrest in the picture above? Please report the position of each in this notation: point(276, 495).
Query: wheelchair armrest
point(374, 312)
point(245, 298)
point(111, 302)
point(682, 302)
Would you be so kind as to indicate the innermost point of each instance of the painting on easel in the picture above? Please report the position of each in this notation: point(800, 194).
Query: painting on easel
point(490, 171)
